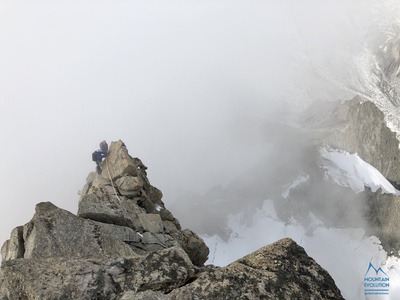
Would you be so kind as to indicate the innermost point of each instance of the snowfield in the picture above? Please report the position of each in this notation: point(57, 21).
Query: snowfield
point(350, 170)
point(344, 253)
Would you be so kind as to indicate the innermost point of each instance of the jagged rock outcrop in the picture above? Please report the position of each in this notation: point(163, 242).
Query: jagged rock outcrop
point(65, 278)
point(125, 244)
point(281, 270)
point(357, 126)
point(383, 216)
point(129, 200)
point(54, 232)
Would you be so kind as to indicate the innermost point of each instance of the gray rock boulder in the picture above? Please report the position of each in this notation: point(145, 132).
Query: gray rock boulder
point(103, 208)
point(151, 223)
point(194, 246)
point(119, 163)
point(54, 232)
point(65, 278)
point(281, 270)
point(14, 247)
point(130, 185)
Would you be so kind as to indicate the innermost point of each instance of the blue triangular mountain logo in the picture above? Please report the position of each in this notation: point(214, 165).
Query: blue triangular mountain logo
point(371, 266)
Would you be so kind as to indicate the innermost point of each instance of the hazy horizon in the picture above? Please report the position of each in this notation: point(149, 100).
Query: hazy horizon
point(188, 86)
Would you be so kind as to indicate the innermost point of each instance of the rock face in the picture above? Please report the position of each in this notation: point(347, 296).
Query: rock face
point(383, 215)
point(64, 278)
point(122, 195)
point(124, 244)
point(54, 232)
point(358, 126)
point(281, 270)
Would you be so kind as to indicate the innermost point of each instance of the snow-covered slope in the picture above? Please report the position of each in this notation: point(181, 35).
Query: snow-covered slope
point(344, 252)
point(350, 170)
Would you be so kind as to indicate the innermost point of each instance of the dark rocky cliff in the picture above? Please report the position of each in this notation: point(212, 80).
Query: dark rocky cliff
point(383, 215)
point(125, 244)
point(357, 126)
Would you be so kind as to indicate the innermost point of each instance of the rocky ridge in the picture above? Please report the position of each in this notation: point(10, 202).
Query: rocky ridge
point(358, 126)
point(382, 213)
point(125, 244)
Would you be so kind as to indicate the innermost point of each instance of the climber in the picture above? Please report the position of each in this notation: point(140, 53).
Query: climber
point(104, 147)
point(98, 155)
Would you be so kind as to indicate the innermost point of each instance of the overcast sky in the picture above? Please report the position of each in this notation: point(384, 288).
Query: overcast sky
point(187, 85)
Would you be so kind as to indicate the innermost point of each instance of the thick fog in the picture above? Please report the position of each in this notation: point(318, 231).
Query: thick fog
point(191, 87)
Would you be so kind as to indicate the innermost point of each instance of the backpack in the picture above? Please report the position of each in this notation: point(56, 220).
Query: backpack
point(94, 156)
point(104, 147)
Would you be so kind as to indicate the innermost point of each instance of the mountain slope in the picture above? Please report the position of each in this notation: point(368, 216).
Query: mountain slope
point(125, 244)
point(311, 189)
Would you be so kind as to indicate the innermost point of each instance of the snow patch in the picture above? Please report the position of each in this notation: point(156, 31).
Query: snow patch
point(299, 180)
point(350, 170)
point(344, 253)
